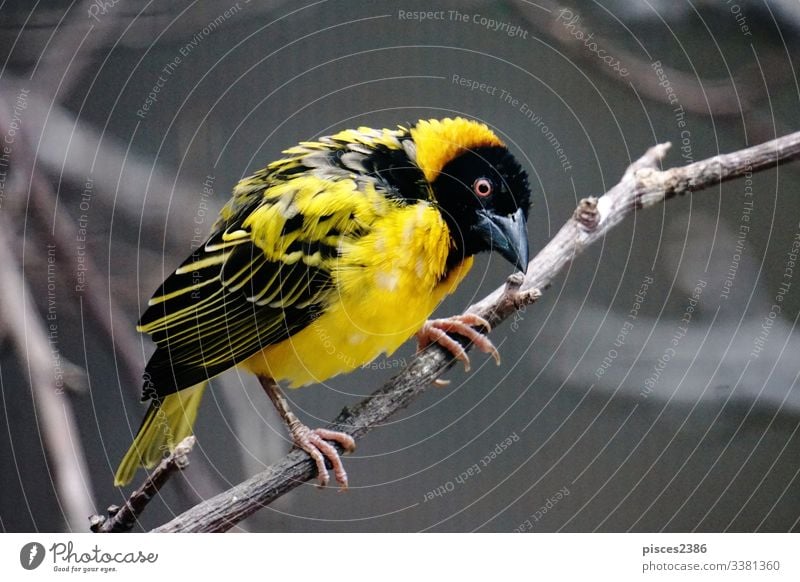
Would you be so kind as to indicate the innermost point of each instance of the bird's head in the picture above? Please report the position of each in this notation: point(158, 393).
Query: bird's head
point(480, 189)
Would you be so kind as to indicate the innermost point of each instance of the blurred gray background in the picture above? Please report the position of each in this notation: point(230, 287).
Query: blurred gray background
point(596, 421)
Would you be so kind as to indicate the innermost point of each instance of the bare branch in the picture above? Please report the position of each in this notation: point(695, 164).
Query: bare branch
point(642, 185)
point(122, 519)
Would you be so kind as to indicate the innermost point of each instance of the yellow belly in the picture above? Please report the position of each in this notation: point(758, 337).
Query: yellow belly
point(386, 287)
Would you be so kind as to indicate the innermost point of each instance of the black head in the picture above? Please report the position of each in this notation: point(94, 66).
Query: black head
point(484, 197)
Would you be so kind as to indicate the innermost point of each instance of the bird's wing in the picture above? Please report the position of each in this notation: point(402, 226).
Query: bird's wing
point(266, 271)
point(255, 282)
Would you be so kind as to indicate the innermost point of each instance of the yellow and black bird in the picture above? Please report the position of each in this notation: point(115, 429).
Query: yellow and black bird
point(328, 257)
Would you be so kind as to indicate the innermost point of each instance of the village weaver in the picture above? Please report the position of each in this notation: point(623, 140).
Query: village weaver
point(350, 242)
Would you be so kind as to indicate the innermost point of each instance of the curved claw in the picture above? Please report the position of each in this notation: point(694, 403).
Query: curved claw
point(436, 331)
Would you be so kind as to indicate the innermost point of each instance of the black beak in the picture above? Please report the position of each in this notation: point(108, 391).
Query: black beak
point(508, 235)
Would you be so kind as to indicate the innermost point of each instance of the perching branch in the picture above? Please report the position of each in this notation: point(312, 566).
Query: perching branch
point(122, 519)
point(642, 185)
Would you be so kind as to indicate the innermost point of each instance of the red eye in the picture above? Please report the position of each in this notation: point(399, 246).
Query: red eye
point(482, 187)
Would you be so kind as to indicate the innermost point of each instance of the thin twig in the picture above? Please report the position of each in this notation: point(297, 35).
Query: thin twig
point(122, 519)
point(642, 185)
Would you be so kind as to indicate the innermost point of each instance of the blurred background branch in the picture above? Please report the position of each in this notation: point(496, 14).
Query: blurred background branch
point(55, 420)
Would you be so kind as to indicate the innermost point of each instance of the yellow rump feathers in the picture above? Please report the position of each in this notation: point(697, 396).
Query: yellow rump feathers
point(438, 142)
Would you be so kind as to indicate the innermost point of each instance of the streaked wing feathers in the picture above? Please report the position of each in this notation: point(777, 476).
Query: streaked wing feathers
point(265, 273)
point(228, 300)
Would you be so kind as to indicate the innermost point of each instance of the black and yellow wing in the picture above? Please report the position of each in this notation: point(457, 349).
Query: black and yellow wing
point(226, 302)
point(266, 272)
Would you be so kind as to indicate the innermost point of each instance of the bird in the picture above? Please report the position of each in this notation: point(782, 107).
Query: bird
point(335, 253)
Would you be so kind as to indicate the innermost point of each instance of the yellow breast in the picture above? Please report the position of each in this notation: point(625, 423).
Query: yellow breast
point(387, 283)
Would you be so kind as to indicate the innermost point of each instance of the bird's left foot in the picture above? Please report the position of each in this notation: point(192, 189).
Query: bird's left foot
point(437, 330)
point(312, 441)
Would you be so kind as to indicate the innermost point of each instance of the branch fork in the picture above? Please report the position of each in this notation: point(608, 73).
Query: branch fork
point(122, 519)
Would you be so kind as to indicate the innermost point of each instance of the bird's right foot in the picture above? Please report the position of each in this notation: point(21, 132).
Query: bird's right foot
point(436, 331)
